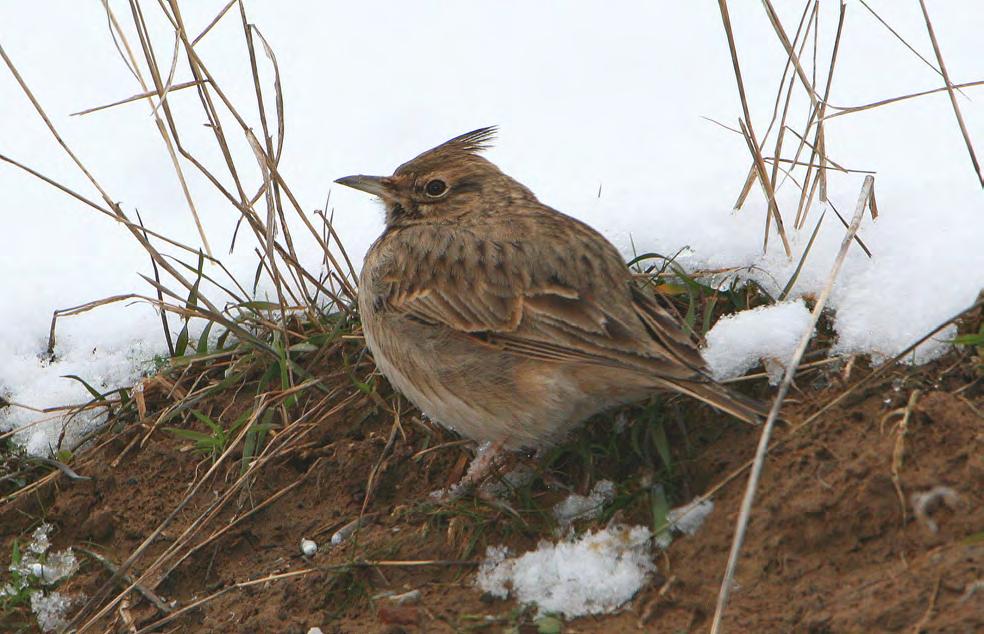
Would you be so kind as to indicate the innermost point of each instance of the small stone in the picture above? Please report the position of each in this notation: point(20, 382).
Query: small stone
point(407, 598)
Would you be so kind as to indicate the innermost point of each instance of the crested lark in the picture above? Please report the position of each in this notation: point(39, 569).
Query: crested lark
point(505, 320)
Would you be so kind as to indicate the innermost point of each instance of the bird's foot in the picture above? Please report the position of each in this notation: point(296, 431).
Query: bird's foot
point(488, 457)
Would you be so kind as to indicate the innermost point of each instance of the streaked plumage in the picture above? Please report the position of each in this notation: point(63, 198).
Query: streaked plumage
point(504, 319)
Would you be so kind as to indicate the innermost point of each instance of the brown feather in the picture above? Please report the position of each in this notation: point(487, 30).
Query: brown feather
point(508, 320)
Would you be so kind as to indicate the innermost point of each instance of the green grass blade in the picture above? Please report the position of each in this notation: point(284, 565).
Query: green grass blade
point(799, 267)
point(202, 347)
point(96, 394)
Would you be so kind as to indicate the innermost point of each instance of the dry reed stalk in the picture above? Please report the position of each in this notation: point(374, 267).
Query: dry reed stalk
point(749, 131)
point(136, 231)
point(273, 185)
point(763, 178)
point(78, 310)
point(898, 450)
point(952, 95)
point(815, 416)
point(819, 141)
point(156, 625)
point(135, 68)
point(843, 110)
point(762, 450)
point(753, 170)
point(818, 178)
point(143, 95)
point(794, 58)
point(174, 552)
point(780, 135)
point(125, 566)
point(899, 37)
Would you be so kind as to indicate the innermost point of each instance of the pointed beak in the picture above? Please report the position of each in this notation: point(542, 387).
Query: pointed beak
point(375, 185)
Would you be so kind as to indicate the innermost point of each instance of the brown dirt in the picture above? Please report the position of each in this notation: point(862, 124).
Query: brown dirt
point(831, 546)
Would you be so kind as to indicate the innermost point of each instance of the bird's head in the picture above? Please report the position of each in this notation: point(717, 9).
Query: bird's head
point(448, 181)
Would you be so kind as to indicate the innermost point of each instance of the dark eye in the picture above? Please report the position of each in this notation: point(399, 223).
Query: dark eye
point(435, 188)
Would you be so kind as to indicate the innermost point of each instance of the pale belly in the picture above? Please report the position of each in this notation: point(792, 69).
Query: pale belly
point(435, 381)
point(487, 395)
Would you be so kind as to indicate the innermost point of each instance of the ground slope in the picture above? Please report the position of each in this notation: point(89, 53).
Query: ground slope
point(835, 543)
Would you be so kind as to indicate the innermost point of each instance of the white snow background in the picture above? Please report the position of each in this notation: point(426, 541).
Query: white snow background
point(600, 110)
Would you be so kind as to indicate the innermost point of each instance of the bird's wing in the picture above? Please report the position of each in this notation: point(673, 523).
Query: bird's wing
point(559, 292)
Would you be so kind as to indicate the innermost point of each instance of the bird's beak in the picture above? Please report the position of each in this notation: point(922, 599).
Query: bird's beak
point(376, 185)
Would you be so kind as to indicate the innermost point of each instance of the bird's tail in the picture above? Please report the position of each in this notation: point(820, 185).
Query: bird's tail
point(721, 398)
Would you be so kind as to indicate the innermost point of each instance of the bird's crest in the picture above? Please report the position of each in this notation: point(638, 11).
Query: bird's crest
point(472, 142)
point(468, 143)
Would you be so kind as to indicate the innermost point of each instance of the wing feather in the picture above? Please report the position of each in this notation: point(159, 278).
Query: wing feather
point(568, 299)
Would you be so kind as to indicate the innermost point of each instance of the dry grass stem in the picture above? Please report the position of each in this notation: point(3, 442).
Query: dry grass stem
point(137, 97)
point(162, 130)
point(113, 569)
point(899, 37)
point(749, 133)
point(762, 449)
point(78, 310)
point(950, 92)
point(790, 51)
point(843, 110)
point(770, 193)
point(898, 451)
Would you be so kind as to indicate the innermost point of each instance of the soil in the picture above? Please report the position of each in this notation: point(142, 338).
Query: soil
point(835, 543)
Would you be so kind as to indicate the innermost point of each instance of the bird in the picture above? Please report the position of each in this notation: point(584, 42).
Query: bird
point(508, 321)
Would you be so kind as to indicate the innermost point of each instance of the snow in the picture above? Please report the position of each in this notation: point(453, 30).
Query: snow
point(738, 342)
point(26, 379)
point(684, 520)
point(36, 572)
point(576, 507)
point(51, 610)
point(592, 574)
point(688, 518)
point(600, 115)
point(935, 271)
point(48, 568)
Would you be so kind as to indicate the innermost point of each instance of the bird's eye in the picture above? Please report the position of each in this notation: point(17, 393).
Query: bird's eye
point(435, 188)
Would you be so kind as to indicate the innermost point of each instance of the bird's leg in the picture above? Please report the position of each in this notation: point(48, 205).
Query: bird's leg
point(487, 457)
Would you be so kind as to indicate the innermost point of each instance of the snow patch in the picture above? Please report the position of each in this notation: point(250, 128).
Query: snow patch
point(769, 334)
point(36, 561)
point(32, 384)
point(904, 293)
point(38, 567)
point(596, 573)
point(51, 610)
point(690, 517)
point(686, 520)
point(577, 507)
